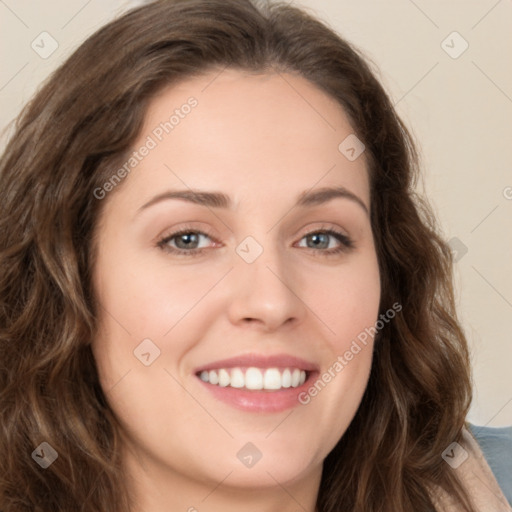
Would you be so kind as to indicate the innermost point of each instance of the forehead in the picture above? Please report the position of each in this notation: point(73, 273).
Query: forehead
point(246, 134)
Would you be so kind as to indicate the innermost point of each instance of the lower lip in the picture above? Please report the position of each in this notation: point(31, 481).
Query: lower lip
point(259, 400)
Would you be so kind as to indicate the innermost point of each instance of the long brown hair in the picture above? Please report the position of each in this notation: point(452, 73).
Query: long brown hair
point(67, 143)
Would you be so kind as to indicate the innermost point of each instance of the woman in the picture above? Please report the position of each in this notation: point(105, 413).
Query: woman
point(218, 288)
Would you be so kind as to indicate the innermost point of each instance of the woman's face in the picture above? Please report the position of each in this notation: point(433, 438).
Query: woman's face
point(205, 338)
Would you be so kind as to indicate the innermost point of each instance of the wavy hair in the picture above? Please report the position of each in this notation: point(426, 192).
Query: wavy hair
point(67, 142)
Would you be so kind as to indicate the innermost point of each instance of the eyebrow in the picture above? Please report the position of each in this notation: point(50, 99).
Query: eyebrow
point(221, 200)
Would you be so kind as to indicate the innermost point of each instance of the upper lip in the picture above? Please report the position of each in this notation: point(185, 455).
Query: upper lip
point(260, 361)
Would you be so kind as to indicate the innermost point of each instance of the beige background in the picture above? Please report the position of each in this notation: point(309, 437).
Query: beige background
point(460, 110)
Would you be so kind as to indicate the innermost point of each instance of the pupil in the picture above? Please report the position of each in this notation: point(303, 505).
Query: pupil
point(188, 238)
point(317, 238)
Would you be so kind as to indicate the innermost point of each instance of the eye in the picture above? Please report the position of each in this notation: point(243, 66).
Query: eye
point(187, 242)
point(322, 239)
point(184, 242)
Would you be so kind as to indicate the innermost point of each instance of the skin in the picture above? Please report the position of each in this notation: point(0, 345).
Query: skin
point(262, 139)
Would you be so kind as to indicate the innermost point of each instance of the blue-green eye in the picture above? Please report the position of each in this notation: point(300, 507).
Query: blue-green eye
point(322, 240)
point(183, 242)
point(186, 242)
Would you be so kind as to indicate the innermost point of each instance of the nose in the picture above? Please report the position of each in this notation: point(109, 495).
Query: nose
point(265, 293)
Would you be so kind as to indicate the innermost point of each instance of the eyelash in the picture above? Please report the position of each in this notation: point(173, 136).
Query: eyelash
point(346, 243)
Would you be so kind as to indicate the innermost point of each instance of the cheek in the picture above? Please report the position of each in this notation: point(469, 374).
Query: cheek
point(143, 299)
point(347, 300)
point(149, 299)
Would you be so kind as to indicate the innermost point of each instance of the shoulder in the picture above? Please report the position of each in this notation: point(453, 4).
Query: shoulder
point(496, 445)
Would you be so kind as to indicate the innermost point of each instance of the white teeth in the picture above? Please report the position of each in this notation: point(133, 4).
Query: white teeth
point(272, 379)
point(224, 378)
point(237, 378)
point(287, 378)
point(255, 378)
point(213, 377)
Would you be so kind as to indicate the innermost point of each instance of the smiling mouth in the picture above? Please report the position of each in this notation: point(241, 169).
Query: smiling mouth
point(255, 379)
